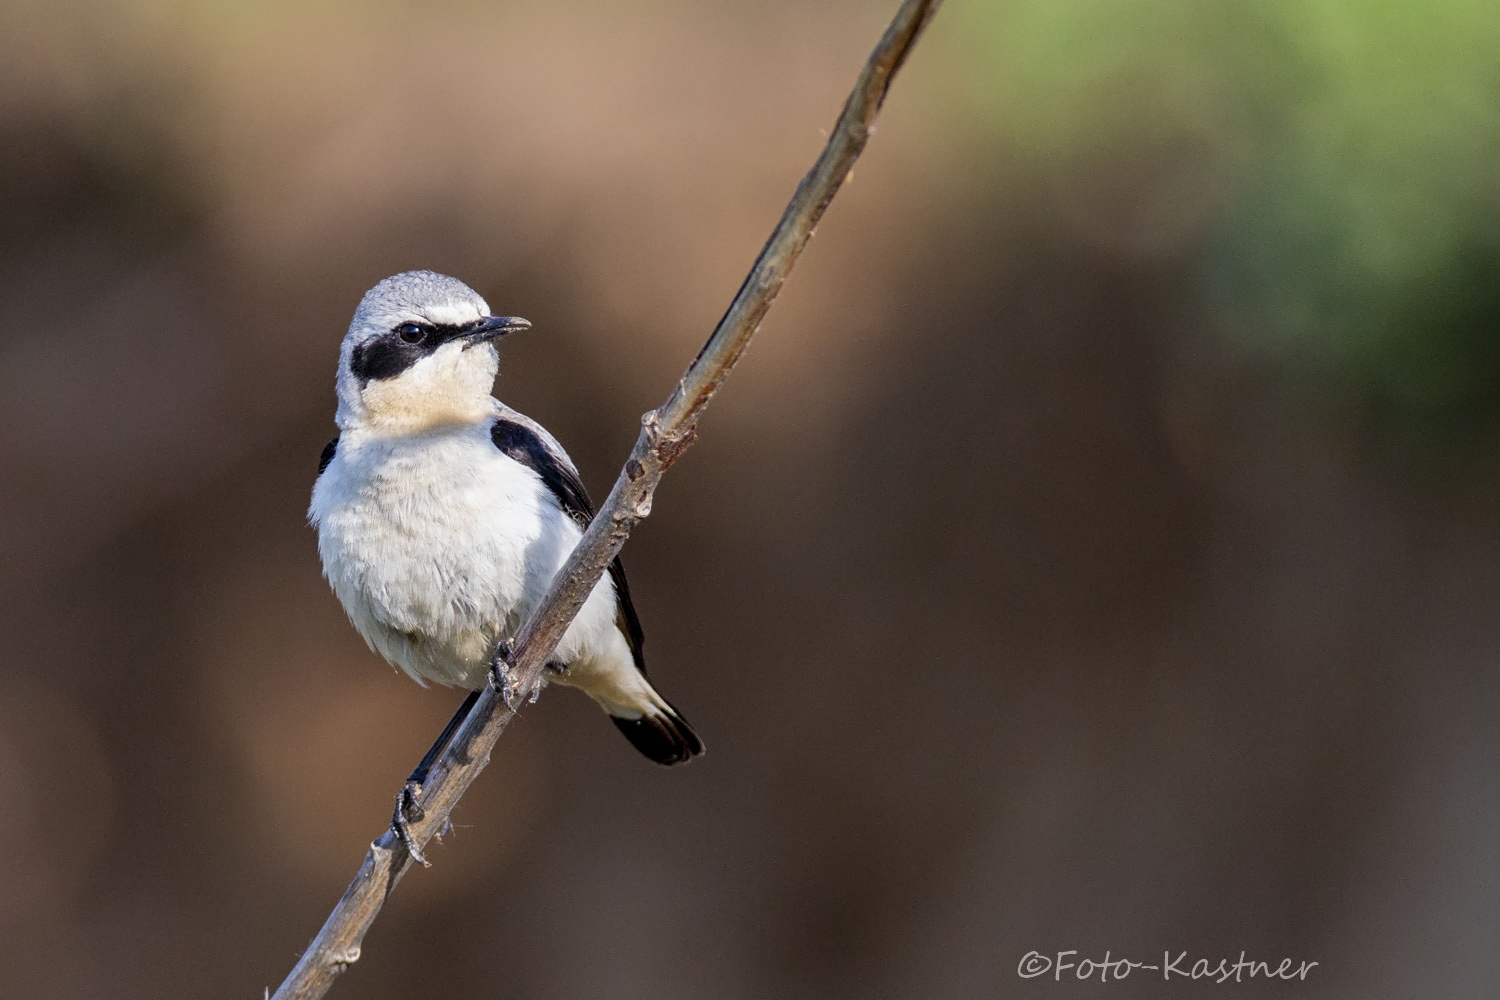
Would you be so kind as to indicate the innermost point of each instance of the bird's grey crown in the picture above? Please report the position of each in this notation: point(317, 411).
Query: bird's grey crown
point(415, 295)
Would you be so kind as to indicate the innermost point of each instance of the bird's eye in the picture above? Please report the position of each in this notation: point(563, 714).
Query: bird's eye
point(412, 333)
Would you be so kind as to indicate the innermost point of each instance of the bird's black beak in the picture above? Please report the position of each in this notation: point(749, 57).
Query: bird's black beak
point(493, 328)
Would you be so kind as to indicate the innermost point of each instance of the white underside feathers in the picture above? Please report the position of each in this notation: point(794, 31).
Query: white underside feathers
point(438, 546)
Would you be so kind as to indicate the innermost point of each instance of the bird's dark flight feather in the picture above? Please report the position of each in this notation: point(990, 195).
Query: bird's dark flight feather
point(329, 450)
point(514, 436)
point(666, 738)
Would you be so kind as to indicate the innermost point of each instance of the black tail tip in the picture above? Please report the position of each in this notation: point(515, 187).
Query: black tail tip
point(666, 738)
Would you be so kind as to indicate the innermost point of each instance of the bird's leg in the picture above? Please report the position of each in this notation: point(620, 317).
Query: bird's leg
point(408, 809)
point(500, 674)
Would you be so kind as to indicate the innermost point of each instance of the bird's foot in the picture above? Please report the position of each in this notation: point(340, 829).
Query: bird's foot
point(409, 811)
point(500, 674)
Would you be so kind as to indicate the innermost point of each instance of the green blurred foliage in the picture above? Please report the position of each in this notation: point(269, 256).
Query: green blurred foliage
point(1357, 238)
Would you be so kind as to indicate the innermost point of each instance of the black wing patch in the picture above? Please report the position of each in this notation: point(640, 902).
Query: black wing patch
point(329, 450)
point(525, 446)
point(625, 617)
point(522, 444)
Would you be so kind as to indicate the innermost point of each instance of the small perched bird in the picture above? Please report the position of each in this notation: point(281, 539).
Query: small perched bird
point(442, 514)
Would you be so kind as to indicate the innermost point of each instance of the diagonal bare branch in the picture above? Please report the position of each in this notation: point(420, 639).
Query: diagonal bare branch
point(666, 433)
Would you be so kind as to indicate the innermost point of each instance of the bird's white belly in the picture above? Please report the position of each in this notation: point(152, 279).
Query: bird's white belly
point(438, 546)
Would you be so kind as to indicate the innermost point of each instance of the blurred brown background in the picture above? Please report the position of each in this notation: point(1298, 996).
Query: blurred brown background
point(1098, 550)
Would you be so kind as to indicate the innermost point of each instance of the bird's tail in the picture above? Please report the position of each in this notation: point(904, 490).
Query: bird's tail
point(660, 733)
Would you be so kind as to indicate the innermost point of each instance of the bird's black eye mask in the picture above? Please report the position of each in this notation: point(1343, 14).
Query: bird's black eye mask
point(396, 350)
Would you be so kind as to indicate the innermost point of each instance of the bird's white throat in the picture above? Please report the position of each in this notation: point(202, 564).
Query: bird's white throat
point(450, 387)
